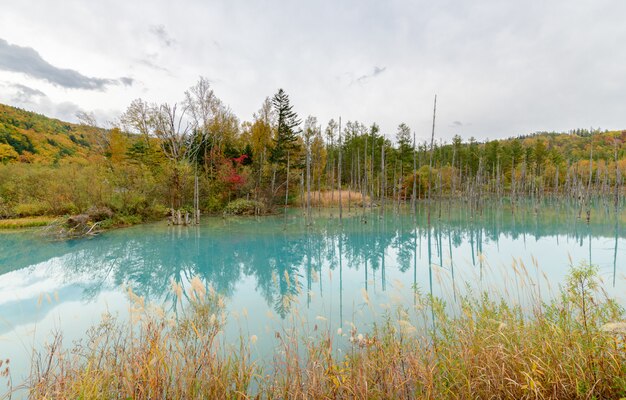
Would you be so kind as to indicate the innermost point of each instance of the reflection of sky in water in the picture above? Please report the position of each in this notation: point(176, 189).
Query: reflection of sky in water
point(258, 264)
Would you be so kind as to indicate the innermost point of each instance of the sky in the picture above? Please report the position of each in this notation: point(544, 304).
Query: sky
point(499, 68)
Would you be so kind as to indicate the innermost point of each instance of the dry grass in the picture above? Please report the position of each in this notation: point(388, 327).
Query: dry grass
point(572, 348)
point(331, 199)
point(30, 222)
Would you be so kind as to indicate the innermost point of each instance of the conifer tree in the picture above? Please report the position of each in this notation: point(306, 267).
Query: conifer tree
point(286, 139)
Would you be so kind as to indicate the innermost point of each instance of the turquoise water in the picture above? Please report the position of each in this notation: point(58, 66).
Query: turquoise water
point(273, 268)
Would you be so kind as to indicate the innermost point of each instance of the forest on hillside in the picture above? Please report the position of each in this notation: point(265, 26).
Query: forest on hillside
point(197, 154)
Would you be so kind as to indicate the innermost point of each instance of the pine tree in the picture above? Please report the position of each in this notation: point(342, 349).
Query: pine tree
point(405, 146)
point(286, 139)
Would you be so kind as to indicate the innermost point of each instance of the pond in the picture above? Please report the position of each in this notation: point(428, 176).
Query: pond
point(272, 268)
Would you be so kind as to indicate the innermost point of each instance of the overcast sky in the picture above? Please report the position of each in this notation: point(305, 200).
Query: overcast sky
point(500, 68)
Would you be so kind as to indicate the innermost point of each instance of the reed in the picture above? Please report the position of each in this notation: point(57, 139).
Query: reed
point(330, 199)
point(572, 347)
point(18, 223)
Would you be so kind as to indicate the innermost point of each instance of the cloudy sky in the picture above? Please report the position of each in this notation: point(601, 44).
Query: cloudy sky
point(499, 68)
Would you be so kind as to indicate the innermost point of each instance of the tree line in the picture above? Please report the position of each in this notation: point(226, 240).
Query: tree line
point(258, 159)
point(197, 154)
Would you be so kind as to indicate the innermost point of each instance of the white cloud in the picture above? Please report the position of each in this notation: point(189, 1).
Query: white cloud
point(503, 68)
point(28, 61)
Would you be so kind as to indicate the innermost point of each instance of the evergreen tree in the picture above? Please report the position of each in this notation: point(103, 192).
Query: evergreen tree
point(405, 145)
point(286, 139)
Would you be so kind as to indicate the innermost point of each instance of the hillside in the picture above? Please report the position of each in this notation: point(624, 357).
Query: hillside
point(33, 138)
point(29, 137)
point(577, 144)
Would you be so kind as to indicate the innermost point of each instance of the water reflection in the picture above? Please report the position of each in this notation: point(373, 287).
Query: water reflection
point(286, 262)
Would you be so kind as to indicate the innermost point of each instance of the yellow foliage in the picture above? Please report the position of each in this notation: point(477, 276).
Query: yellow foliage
point(7, 153)
point(118, 146)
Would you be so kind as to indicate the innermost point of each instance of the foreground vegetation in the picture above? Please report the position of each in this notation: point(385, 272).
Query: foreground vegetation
point(480, 347)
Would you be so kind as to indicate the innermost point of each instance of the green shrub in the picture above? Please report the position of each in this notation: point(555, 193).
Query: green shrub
point(243, 207)
point(67, 208)
point(156, 211)
point(213, 205)
point(120, 220)
point(5, 209)
point(127, 220)
point(31, 209)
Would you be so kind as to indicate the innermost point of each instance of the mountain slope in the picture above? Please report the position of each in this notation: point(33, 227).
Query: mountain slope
point(33, 138)
point(29, 137)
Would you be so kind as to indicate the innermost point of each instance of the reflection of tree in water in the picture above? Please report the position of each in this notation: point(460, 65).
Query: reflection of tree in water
point(285, 262)
point(366, 243)
point(404, 244)
point(148, 262)
point(276, 261)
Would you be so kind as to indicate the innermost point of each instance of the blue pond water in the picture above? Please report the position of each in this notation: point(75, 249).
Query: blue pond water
point(272, 268)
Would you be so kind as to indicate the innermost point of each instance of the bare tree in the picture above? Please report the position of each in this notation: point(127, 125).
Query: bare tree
point(101, 135)
point(139, 117)
point(174, 130)
point(310, 131)
point(430, 167)
point(339, 144)
point(203, 107)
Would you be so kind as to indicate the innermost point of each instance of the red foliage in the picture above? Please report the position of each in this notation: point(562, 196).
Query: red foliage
point(229, 173)
point(239, 160)
point(235, 179)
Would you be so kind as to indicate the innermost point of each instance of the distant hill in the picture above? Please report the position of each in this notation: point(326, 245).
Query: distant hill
point(577, 144)
point(29, 137)
point(34, 138)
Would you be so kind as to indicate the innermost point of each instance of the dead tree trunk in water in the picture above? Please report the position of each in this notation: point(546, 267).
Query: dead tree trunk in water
point(332, 170)
point(589, 185)
point(440, 184)
point(302, 193)
point(365, 183)
point(273, 187)
point(372, 194)
point(319, 192)
point(414, 195)
point(430, 168)
point(339, 172)
point(372, 173)
point(556, 182)
point(351, 185)
point(617, 180)
point(382, 180)
point(308, 182)
point(394, 182)
point(196, 200)
point(287, 189)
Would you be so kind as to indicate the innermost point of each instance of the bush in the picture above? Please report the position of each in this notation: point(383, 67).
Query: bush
point(97, 214)
point(66, 208)
point(127, 220)
point(213, 205)
point(156, 211)
point(31, 209)
point(243, 207)
point(5, 209)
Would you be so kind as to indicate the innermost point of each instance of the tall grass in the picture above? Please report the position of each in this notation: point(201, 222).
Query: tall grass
point(18, 223)
point(327, 198)
point(572, 347)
